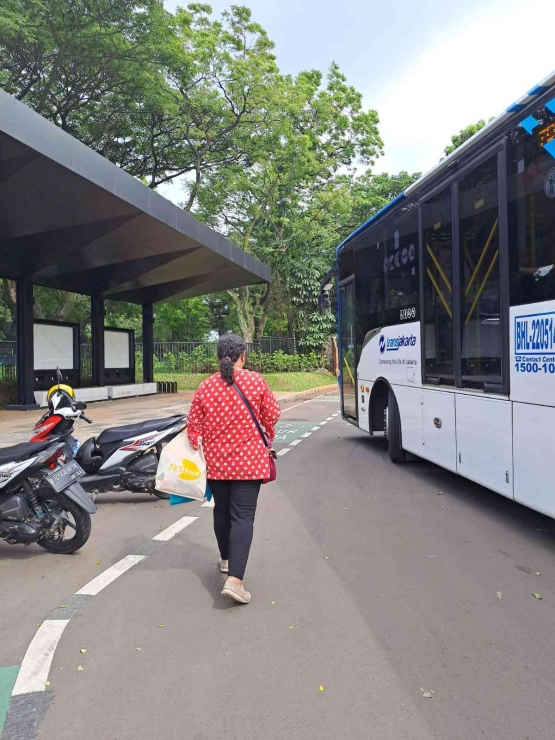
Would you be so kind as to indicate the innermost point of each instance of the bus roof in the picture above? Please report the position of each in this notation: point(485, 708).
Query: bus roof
point(513, 110)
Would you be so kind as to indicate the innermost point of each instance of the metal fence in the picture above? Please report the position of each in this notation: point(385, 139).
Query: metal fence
point(168, 356)
point(8, 360)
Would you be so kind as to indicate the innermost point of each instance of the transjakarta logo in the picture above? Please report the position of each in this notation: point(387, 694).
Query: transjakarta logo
point(391, 344)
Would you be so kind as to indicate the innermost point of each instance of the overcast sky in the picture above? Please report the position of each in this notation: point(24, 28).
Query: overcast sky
point(429, 68)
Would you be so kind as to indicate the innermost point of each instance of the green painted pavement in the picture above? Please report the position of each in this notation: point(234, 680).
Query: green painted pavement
point(289, 431)
point(7, 682)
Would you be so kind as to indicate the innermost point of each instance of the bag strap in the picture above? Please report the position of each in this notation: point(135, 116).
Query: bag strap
point(251, 411)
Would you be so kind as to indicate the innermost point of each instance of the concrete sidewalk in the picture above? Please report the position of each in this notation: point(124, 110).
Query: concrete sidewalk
point(16, 426)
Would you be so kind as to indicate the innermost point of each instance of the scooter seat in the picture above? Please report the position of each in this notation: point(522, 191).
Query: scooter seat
point(117, 434)
point(22, 451)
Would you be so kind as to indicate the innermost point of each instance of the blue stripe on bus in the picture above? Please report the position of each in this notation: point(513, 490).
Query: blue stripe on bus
point(371, 220)
point(550, 147)
point(550, 105)
point(529, 124)
point(516, 108)
point(538, 90)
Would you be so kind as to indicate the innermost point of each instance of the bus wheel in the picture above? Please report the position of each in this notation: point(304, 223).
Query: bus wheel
point(392, 429)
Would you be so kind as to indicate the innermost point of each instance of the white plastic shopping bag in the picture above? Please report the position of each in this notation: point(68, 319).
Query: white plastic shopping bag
point(182, 470)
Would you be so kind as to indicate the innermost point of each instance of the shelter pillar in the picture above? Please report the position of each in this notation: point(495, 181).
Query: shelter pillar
point(25, 345)
point(97, 339)
point(148, 343)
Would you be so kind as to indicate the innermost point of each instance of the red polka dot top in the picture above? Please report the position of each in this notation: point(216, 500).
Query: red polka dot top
point(231, 442)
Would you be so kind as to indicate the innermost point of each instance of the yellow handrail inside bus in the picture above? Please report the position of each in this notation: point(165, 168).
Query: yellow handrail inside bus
point(482, 286)
point(482, 257)
point(467, 254)
point(436, 263)
point(349, 369)
point(440, 294)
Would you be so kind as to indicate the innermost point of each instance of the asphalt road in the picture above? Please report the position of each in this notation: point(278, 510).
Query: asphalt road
point(375, 611)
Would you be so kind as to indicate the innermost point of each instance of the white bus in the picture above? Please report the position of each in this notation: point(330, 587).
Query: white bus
point(447, 310)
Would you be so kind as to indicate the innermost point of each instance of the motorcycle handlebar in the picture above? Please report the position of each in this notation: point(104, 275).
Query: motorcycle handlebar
point(86, 418)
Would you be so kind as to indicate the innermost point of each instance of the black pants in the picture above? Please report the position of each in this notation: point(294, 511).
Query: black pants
point(234, 510)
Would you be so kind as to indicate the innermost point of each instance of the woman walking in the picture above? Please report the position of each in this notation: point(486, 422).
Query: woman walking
point(237, 459)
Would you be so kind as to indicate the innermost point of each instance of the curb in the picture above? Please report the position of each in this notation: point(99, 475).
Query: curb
point(300, 395)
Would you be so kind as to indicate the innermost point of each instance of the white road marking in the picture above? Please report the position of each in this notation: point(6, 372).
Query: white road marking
point(209, 504)
point(95, 586)
point(283, 452)
point(291, 407)
point(37, 661)
point(306, 435)
point(314, 429)
point(295, 442)
point(176, 527)
point(329, 418)
point(323, 423)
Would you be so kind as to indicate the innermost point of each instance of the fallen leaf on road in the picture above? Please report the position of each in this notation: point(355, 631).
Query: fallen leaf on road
point(427, 693)
point(326, 557)
point(83, 650)
point(440, 493)
point(80, 668)
point(98, 562)
point(537, 596)
point(291, 627)
point(161, 625)
point(39, 624)
point(500, 595)
point(62, 668)
point(320, 688)
point(138, 648)
point(443, 507)
point(272, 602)
point(538, 573)
point(62, 606)
point(464, 607)
point(47, 683)
point(466, 540)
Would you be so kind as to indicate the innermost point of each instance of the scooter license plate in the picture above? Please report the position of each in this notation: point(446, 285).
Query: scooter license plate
point(64, 476)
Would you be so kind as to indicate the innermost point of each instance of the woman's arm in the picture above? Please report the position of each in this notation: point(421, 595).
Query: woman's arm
point(269, 411)
point(195, 423)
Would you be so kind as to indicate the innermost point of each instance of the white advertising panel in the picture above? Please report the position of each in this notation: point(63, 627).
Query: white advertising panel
point(394, 354)
point(53, 347)
point(116, 349)
point(532, 341)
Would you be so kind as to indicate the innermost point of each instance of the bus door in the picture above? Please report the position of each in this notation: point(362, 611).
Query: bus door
point(347, 347)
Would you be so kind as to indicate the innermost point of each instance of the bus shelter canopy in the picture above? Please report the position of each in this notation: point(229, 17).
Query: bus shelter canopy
point(72, 220)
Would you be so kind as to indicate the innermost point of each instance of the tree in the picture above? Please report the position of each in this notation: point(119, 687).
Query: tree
point(286, 193)
point(463, 135)
point(370, 193)
point(82, 63)
point(216, 79)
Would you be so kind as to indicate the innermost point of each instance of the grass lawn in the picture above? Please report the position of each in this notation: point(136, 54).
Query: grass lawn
point(287, 382)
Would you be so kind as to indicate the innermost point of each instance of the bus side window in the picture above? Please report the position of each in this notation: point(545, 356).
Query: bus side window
point(400, 267)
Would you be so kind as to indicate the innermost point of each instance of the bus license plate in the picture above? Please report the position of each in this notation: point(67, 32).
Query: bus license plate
point(63, 477)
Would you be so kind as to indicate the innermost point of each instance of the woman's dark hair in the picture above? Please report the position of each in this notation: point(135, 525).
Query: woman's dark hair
point(230, 349)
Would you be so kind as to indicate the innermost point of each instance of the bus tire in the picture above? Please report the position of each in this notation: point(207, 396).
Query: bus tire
point(393, 430)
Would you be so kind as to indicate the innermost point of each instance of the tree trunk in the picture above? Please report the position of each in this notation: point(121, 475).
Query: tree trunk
point(245, 313)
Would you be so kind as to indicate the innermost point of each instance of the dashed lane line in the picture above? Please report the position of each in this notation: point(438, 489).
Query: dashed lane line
point(176, 527)
point(94, 587)
point(35, 667)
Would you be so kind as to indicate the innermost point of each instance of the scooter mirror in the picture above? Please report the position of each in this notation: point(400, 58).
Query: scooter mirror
point(80, 405)
point(59, 376)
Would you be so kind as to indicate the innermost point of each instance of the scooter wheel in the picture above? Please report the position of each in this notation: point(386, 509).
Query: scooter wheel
point(80, 527)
